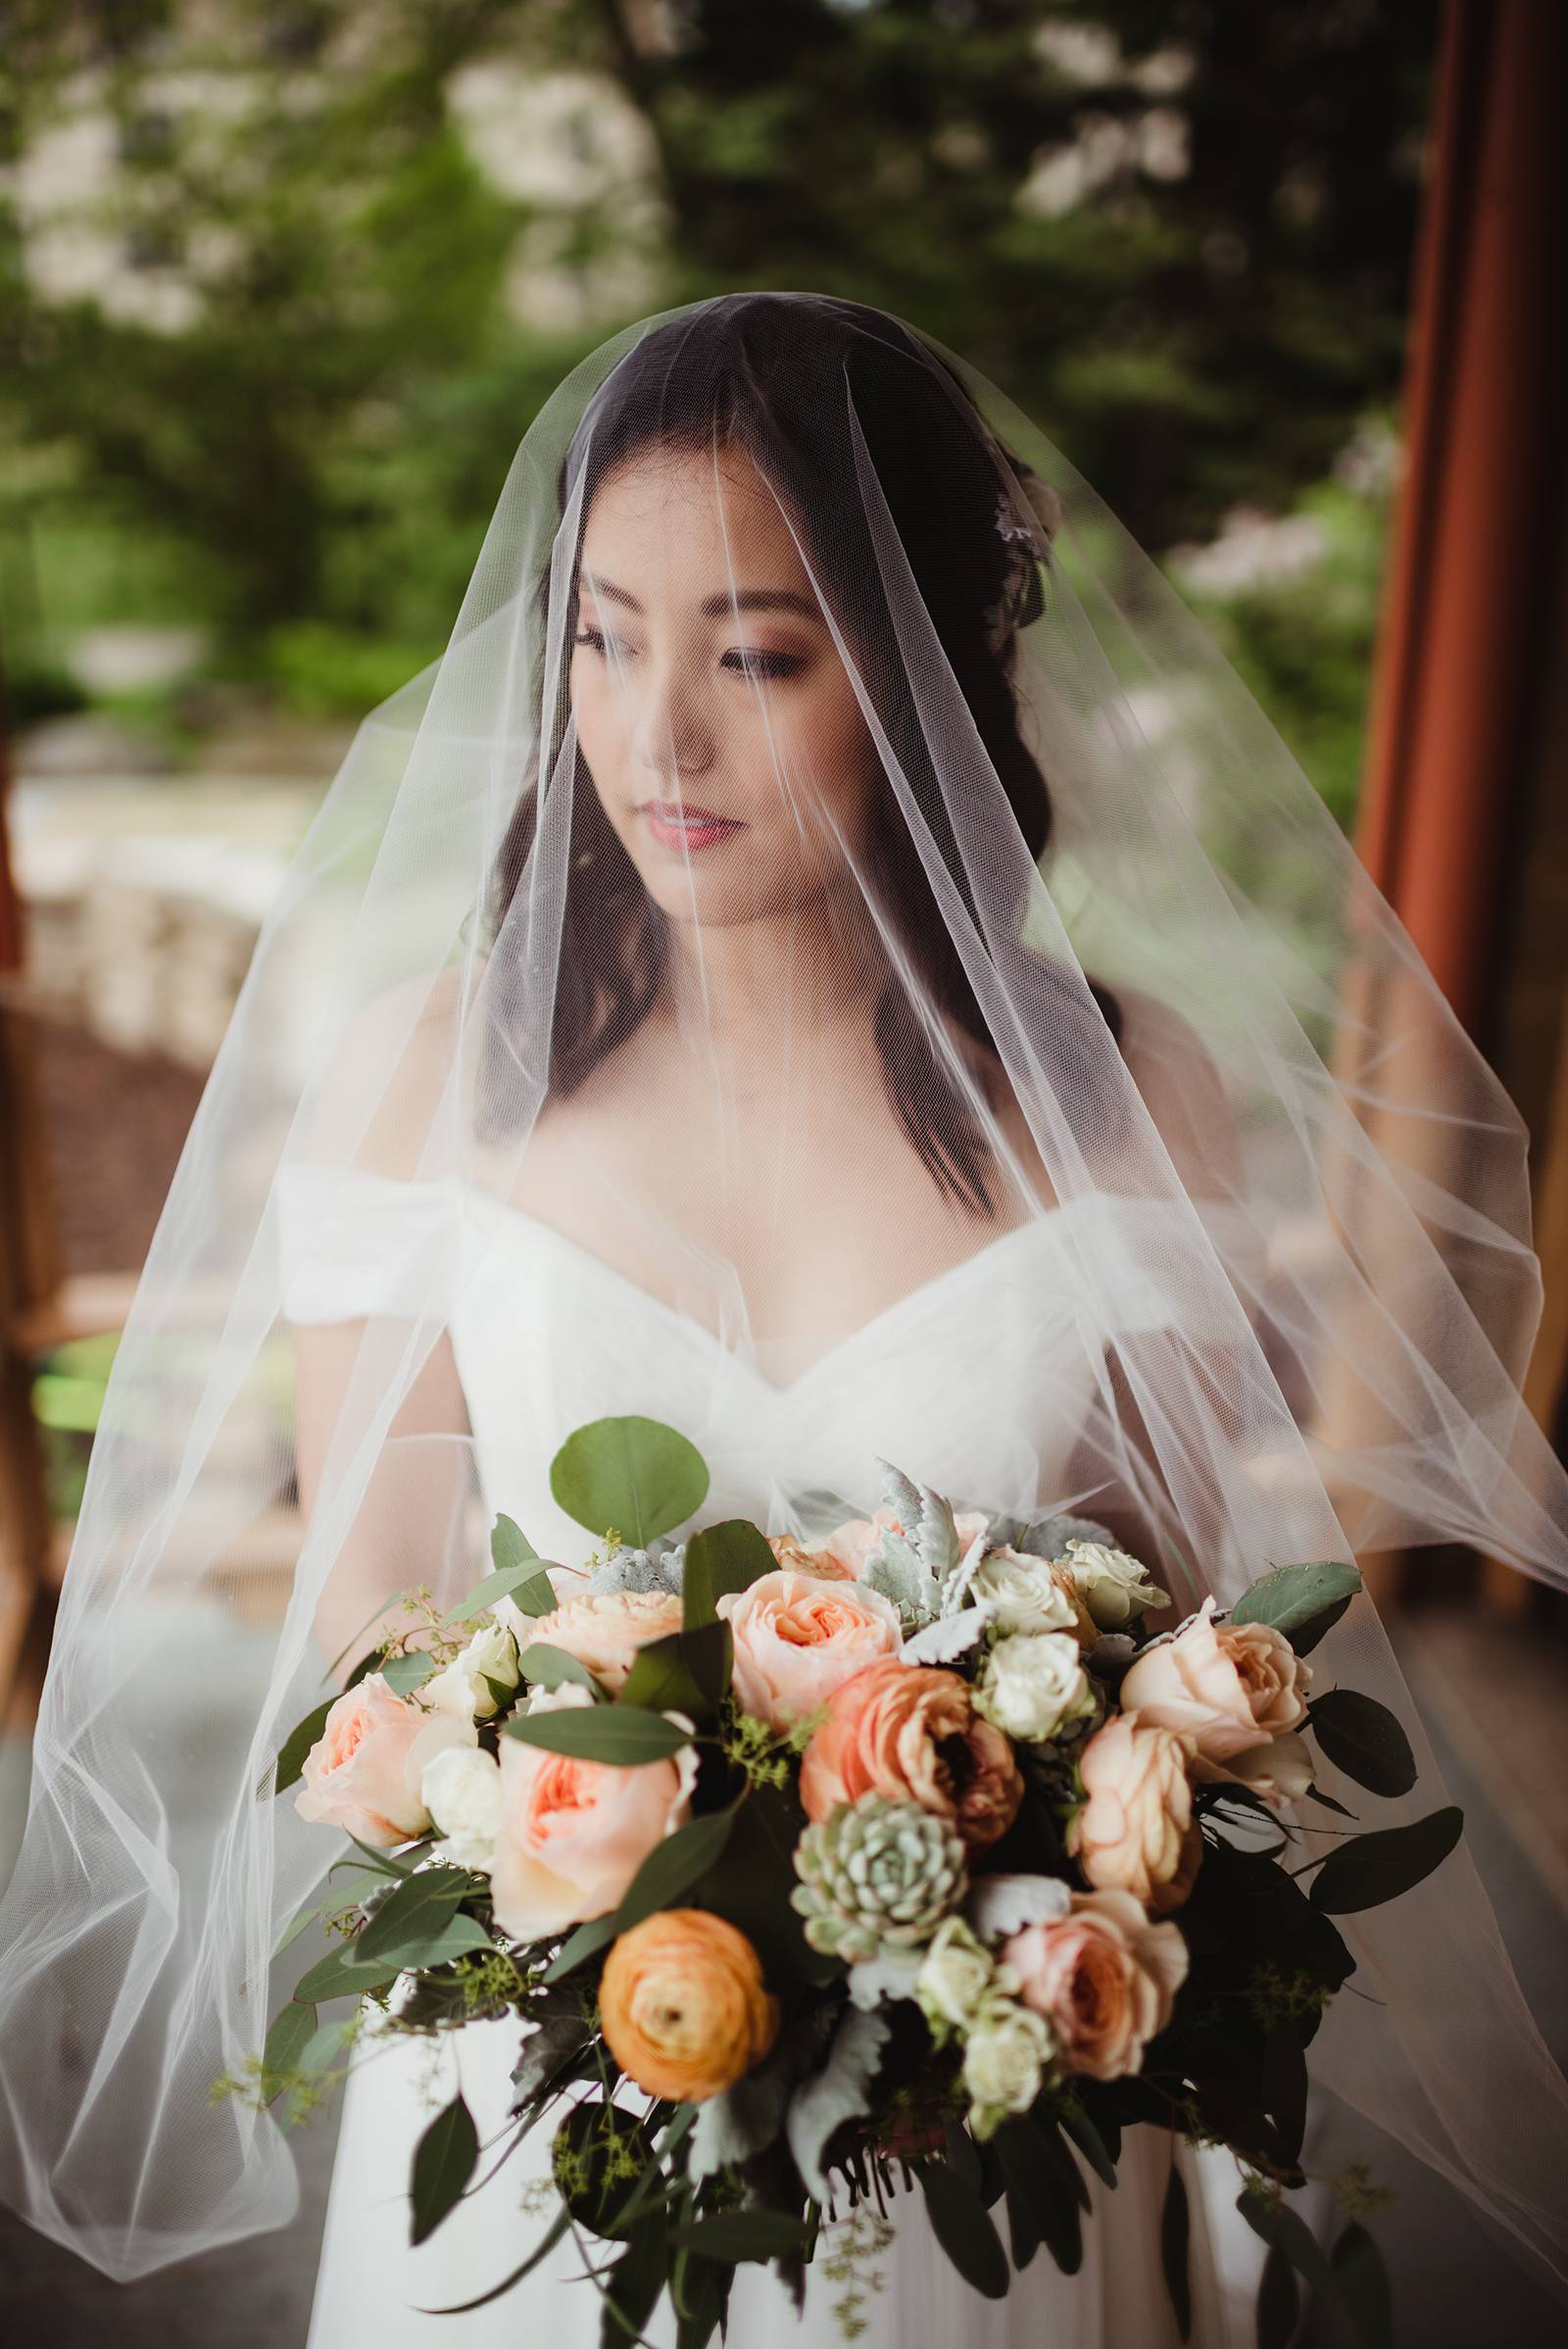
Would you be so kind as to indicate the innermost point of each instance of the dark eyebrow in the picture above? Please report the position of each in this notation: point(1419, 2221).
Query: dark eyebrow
point(752, 598)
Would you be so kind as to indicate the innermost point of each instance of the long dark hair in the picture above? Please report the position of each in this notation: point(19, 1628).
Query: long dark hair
point(775, 375)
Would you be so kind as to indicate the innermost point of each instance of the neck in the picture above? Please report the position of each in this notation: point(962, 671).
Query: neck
point(805, 970)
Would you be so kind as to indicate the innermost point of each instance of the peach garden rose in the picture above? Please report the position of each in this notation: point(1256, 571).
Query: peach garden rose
point(1229, 1687)
point(605, 1629)
point(573, 1833)
point(1135, 1829)
point(1102, 1976)
point(364, 1771)
point(798, 1636)
point(912, 1732)
point(682, 2004)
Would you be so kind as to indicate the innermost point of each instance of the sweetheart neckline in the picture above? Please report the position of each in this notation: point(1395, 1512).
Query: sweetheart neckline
point(780, 1390)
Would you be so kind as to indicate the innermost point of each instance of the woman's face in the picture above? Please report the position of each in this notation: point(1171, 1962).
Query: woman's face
point(715, 716)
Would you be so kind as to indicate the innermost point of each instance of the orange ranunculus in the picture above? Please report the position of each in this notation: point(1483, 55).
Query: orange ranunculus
point(912, 1732)
point(682, 2005)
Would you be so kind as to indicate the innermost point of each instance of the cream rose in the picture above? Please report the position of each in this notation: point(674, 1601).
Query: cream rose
point(1104, 1977)
point(1113, 1585)
point(1033, 1685)
point(1227, 1686)
point(462, 1790)
point(798, 1636)
point(605, 1629)
point(957, 1974)
point(573, 1833)
point(463, 1687)
point(1004, 2061)
point(1135, 1829)
point(1022, 1593)
point(363, 1774)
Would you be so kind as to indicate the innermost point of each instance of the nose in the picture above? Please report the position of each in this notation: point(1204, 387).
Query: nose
point(672, 731)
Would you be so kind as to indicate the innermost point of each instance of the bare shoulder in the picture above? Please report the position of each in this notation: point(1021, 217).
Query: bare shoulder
point(384, 1084)
point(1181, 1091)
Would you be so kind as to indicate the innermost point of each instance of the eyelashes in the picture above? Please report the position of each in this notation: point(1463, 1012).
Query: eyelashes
point(758, 667)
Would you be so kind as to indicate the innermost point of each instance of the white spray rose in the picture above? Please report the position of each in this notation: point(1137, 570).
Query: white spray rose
point(462, 1791)
point(1004, 2062)
point(461, 1687)
point(1113, 1585)
point(1021, 1593)
point(957, 1975)
point(1033, 1685)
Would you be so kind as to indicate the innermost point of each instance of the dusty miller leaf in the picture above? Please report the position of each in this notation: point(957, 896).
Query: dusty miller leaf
point(948, 1636)
point(839, 2092)
point(998, 1905)
point(892, 1974)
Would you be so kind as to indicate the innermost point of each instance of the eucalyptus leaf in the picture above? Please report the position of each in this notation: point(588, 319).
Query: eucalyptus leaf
point(291, 2030)
point(721, 1561)
point(529, 1589)
point(459, 1937)
point(443, 2164)
point(338, 1976)
point(541, 2250)
point(417, 1905)
point(1363, 2283)
point(1089, 2143)
point(410, 1671)
point(515, 1559)
point(297, 1745)
point(1173, 2238)
point(628, 1474)
point(744, 2234)
point(1302, 1602)
point(1286, 2231)
point(685, 1672)
point(1278, 2302)
point(325, 2045)
point(964, 2228)
point(839, 2091)
point(1043, 2177)
point(550, 1667)
point(619, 1733)
point(1364, 1740)
point(1367, 1870)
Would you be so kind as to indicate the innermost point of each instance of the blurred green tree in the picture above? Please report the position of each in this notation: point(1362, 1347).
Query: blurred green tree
point(1177, 231)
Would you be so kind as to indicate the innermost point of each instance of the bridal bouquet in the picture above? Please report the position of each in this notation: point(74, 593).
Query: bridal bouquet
point(811, 1868)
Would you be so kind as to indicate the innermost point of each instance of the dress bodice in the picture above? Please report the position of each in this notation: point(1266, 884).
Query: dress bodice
point(977, 1381)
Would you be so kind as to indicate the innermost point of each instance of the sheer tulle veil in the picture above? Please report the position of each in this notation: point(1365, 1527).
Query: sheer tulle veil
point(1110, 950)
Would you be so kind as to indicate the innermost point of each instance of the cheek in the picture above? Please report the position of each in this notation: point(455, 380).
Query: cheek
point(819, 741)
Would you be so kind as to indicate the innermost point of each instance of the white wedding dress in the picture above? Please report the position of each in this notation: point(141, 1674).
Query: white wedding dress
point(975, 1382)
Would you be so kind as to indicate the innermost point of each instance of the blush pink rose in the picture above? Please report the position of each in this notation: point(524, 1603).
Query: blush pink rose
point(605, 1629)
point(573, 1833)
point(798, 1636)
point(1229, 1687)
point(912, 1732)
point(363, 1772)
point(1103, 1976)
point(1136, 1831)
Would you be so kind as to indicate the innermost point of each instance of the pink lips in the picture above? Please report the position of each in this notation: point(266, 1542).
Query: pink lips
point(676, 827)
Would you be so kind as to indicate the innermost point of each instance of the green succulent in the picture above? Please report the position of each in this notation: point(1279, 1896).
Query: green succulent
point(876, 1874)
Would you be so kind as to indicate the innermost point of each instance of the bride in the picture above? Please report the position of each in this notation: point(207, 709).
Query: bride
point(829, 959)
